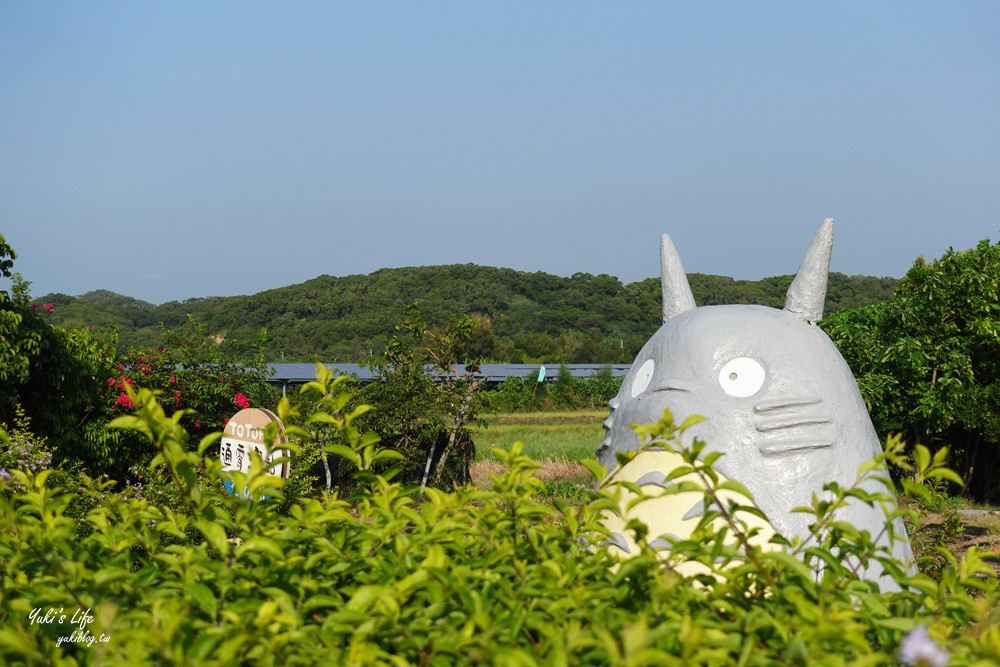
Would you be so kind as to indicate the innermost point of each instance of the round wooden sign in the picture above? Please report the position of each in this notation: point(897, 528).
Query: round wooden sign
point(244, 433)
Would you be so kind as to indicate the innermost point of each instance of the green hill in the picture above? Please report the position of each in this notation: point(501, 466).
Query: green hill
point(521, 316)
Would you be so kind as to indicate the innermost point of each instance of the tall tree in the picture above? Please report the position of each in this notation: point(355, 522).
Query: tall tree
point(928, 359)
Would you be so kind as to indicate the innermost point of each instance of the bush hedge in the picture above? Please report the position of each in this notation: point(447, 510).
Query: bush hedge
point(402, 576)
point(567, 393)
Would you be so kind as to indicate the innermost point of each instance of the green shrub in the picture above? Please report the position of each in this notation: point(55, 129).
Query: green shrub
point(425, 419)
point(567, 393)
point(398, 576)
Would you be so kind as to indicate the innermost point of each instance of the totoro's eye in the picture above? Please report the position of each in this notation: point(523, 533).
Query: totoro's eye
point(643, 377)
point(741, 377)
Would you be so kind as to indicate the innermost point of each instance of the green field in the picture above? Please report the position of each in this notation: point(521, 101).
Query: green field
point(546, 435)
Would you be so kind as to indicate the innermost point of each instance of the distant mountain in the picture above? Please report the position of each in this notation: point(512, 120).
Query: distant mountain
point(521, 316)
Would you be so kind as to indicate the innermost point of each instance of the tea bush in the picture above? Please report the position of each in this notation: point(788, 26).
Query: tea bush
point(403, 576)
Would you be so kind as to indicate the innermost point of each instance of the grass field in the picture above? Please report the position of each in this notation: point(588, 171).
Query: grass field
point(556, 440)
point(546, 435)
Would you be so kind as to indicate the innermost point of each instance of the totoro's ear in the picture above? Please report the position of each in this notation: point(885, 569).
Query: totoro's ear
point(677, 296)
point(807, 294)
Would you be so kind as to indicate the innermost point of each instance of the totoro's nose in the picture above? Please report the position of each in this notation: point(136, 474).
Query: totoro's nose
point(610, 421)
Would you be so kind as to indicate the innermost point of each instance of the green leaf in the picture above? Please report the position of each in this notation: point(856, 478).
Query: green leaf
point(203, 596)
point(946, 474)
point(208, 441)
point(387, 455)
point(109, 575)
point(690, 421)
point(260, 544)
point(733, 485)
point(205, 646)
point(323, 602)
point(896, 623)
point(214, 534)
point(364, 598)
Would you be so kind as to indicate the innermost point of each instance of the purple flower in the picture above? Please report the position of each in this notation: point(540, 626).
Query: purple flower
point(918, 649)
point(4, 473)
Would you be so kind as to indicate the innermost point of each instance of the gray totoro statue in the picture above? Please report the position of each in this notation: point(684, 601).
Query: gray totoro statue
point(780, 401)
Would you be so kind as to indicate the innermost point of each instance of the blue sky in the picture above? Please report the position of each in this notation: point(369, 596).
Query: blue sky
point(175, 150)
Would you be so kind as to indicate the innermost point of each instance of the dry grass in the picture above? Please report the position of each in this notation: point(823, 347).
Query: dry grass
point(550, 418)
point(554, 469)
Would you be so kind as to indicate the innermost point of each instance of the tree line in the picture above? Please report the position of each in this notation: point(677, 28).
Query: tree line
point(519, 317)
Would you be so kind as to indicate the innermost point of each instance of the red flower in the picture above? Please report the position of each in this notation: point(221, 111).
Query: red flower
point(241, 401)
point(124, 401)
point(173, 379)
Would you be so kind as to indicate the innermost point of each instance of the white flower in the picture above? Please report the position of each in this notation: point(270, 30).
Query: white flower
point(919, 650)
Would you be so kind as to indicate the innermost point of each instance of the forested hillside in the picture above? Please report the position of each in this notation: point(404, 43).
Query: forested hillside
point(521, 316)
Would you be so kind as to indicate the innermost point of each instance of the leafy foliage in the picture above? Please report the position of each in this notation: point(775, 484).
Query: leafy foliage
point(474, 576)
point(70, 382)
point(928, 360)
point(48, 374)
point(190, 372)
point(17, 344)
point(517, 394)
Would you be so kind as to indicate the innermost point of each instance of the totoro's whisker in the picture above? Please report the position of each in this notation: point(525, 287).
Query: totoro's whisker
point(792, 422)
point(793, 446)
point(783, 403)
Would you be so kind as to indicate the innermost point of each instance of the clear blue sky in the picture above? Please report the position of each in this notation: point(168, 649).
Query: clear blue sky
point(173, 150)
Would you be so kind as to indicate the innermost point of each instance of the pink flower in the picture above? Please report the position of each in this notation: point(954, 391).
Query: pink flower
point(173, 379)
point(34, 306)
point(241, 401)
point(49, 307)
point(124, 401)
